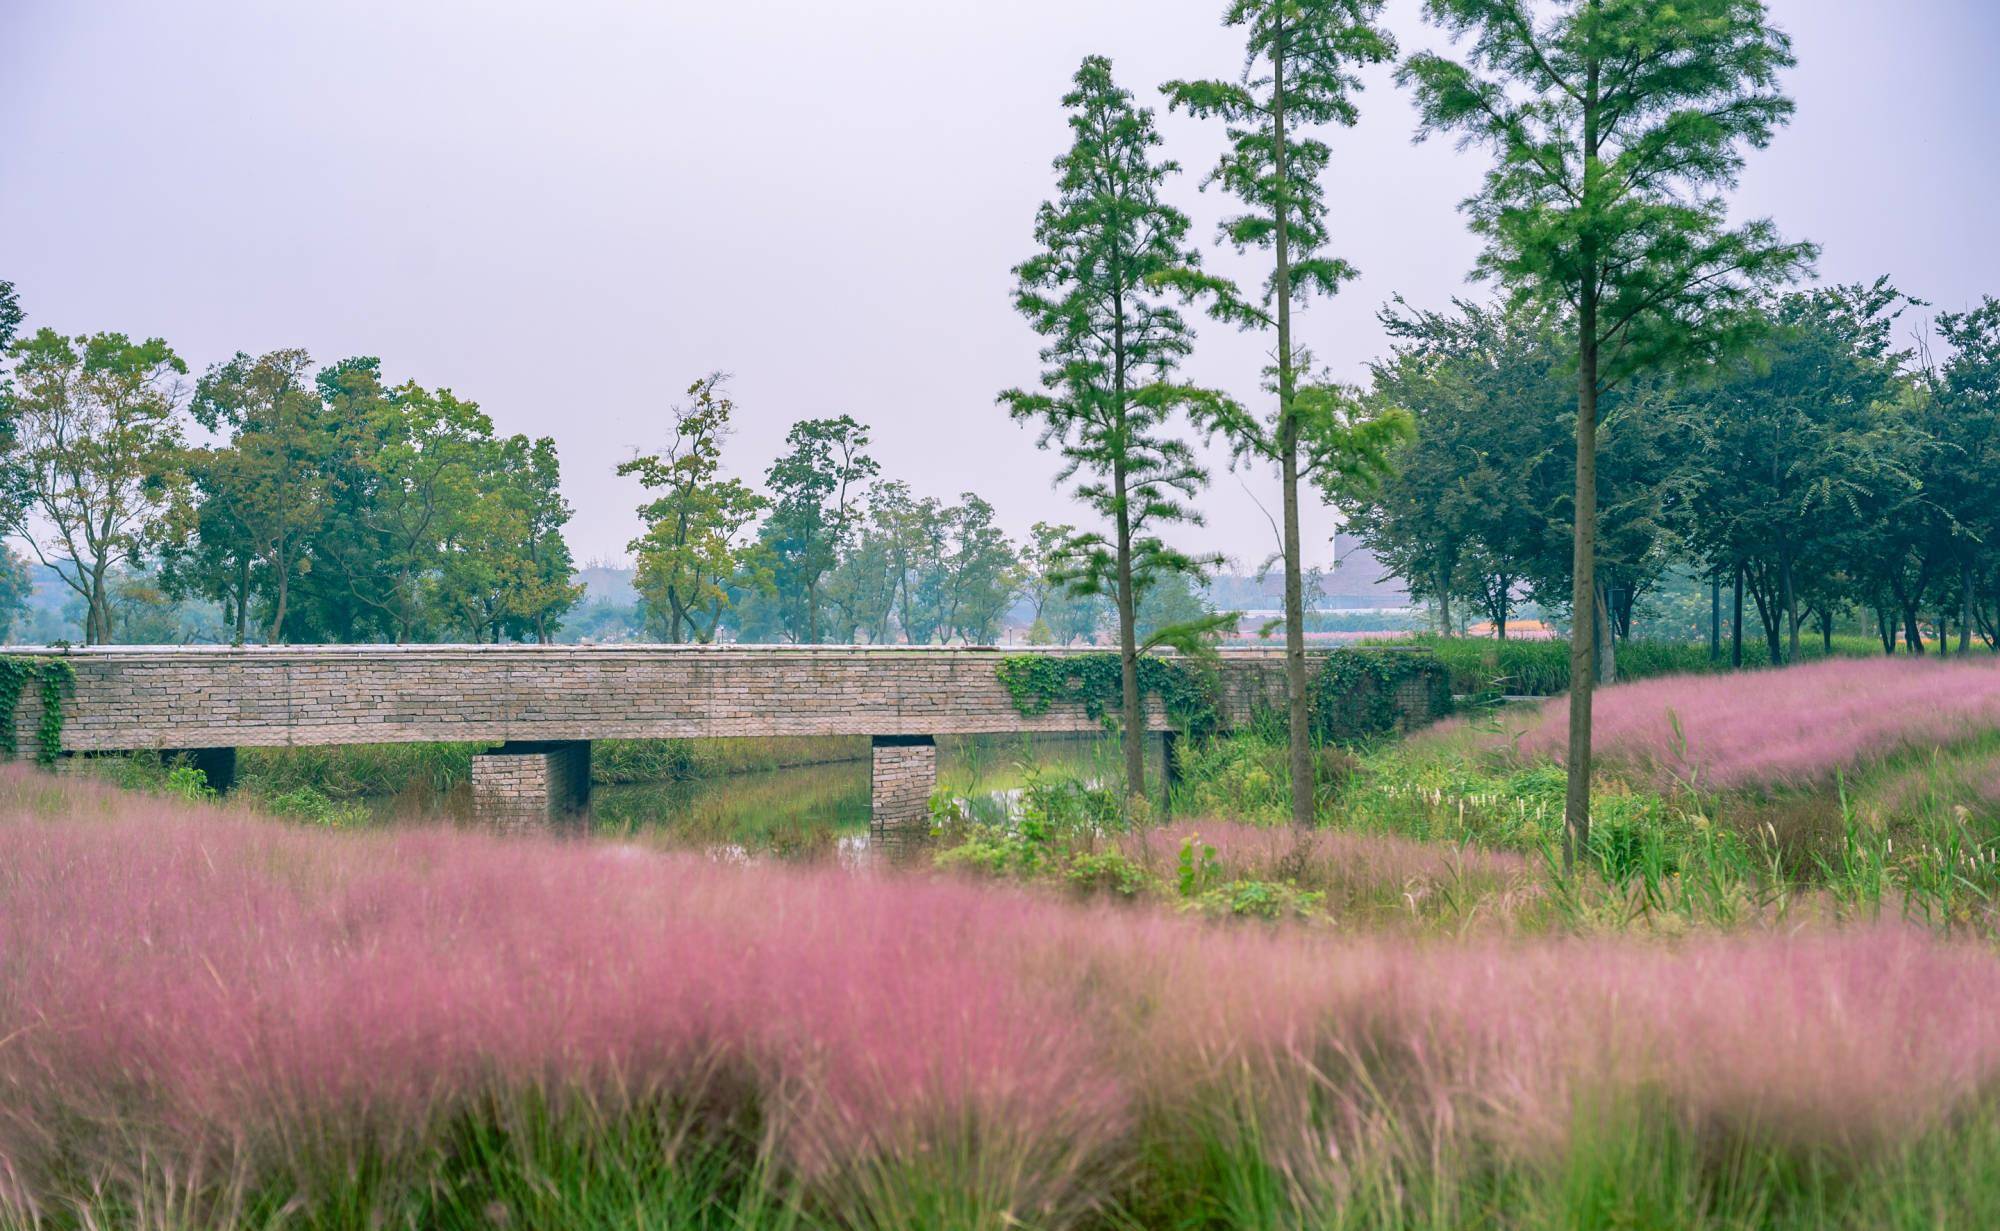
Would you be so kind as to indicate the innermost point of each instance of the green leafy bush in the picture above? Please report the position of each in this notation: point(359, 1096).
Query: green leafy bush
point(1107, 872)
point(1259, 900)
point(309, 805)
point(187, 782)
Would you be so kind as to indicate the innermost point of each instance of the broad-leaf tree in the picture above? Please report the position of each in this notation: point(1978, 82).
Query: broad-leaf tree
point(815, 493)
point(97, 432)
point(692, 550)
point(1300, 62)
point(1616, 125)
point(1096, 292)
point(262, 491)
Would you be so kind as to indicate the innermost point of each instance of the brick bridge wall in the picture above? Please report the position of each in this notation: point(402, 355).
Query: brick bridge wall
point(543, 704)
point(201, 697)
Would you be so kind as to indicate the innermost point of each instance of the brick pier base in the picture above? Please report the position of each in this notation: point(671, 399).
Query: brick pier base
point(531, 780)
point(904, 775)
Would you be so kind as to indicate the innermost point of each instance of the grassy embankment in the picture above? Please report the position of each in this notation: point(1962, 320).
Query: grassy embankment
point(1481, 666)
point(1849, 790)
point(211, 1020)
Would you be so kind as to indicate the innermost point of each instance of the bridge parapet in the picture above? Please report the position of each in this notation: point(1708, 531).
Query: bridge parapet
point(138, 697)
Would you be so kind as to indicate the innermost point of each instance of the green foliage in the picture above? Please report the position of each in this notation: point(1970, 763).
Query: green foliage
point(307, 804)
point(1252, 899)
point(55, 679)
point(815, 494)
point(189, 783)
point(1299, 74)
point(929, 570)
point(1097, 293)
point(95, 440)
point(692, 557)
point(1038, 682)
point(1355, 694)
point(1107, 872)
point(1198, 867)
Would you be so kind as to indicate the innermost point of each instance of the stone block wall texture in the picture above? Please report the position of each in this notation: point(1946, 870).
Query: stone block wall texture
point(903, 776)
point(143, 697)
point(219, 697)
point(532, 780)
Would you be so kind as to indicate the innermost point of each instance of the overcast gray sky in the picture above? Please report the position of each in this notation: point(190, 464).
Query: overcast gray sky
point(567, 211)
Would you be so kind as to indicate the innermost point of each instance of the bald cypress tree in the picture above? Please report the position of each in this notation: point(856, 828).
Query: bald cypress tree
point(1616, 126)
point(1112, 341)
point(1300, 57)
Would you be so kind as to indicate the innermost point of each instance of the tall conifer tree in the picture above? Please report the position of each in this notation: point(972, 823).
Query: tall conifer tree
point(1113, 339)
point(1298, 74)
point(1616, 125)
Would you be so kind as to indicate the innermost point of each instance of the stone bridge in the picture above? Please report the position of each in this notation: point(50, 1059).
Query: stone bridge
point(540, 706)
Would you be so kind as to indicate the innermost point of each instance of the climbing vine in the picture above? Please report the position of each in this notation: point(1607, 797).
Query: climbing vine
point(1186, 687)
point(1355, 692)
point(56, 679)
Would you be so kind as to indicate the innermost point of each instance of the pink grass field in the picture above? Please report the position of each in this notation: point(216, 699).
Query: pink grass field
point(185, 991)
point(1794, 727)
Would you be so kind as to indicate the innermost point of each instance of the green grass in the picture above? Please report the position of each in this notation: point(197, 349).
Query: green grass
point(523, 1160)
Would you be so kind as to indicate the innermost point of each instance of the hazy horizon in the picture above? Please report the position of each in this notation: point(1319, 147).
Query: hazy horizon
point(568, 214)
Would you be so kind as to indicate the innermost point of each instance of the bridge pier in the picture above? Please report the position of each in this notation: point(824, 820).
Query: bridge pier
point(522, 779)
point(903, 777)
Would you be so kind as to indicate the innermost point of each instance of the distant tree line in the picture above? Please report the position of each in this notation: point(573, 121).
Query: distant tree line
point(1842, 464)
point(329, 504)
point(827, 549)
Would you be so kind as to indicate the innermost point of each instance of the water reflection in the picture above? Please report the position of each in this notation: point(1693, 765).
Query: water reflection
point(815, 811)
point(802, 812)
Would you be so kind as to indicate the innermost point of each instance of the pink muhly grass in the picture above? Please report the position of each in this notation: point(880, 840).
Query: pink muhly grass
point(1790, 727)
point(205, 989)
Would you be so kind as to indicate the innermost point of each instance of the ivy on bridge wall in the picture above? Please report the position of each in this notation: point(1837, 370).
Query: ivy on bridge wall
point(1357, 694)
point(1187, 689)
point(56, 679)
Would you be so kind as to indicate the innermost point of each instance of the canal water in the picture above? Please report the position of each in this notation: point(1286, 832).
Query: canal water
point(808, 810)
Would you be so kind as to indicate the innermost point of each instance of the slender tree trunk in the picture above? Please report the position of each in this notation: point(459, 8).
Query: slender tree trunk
point(1607, 648)
point(1715, 618)
point(1885, 629)
point(1791, 610)
point(1444, 604)
point(1736, 622)
point(1299, 711)
point(1128, 651)
point(1583, 594)
point(1912, 635)
point(1965, 607)
point(242, 598)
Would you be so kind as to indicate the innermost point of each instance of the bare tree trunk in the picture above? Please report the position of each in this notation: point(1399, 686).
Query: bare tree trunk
point(1913, 637)
point(1736, 622)
point(1607, 650)
point(1965, 607)
point(1715, 618)
point(278, 615)
point(1583, 597)
point(242, 598)
point(1583, 593)
point(1791, 610)
point(1298, 710)
point(1132, 702)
